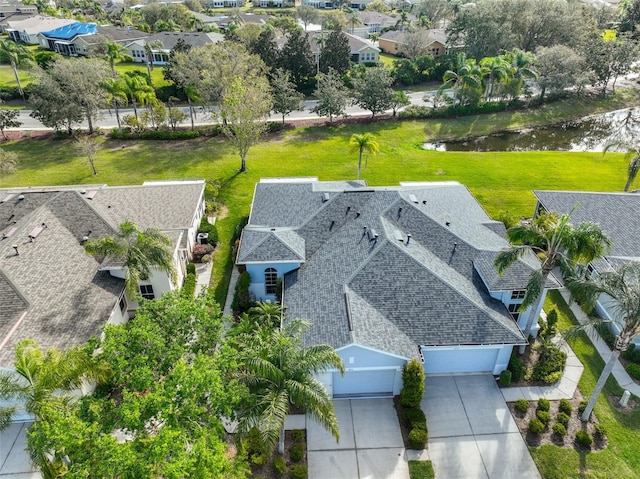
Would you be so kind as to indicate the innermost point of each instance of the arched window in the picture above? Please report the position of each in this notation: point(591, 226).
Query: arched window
point(270, 280)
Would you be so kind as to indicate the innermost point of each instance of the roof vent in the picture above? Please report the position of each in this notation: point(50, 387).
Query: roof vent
point(21, 197)
point(332, 225)
point(424, 202)
point(413, 199)
point(408, 238)
point(15, 247)
point(455, 245)
point(325, 197)
point(91, 194)
point(399, 211)
point(9, 233)
point(82, 192)
point(448, 223)
point(357, 214)
point(371, 234)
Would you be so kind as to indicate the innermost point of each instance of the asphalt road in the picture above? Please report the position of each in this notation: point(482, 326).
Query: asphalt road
point(107, 118)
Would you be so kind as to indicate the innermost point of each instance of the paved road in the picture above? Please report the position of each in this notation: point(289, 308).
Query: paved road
point(107, 118)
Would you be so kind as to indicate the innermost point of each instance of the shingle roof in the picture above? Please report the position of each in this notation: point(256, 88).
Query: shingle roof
point(367, 285)
point(265, 244)
point(38, 23)
point(355, 43)
point(67, 32)
point(197, 39)
point(616, 213)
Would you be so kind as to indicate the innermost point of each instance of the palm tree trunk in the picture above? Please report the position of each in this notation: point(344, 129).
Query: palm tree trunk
point(281, 441)
point(615, 354)
point(533, 315)
point(135, 108)
point(115, 106)
point(15, 72)
point(191, 112)
point(359, 163)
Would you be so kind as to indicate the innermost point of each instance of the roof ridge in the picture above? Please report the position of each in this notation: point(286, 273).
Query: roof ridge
point(256, 246)
point(86, 204)
point(365, 262)
point(15, 288)
point(285, 243)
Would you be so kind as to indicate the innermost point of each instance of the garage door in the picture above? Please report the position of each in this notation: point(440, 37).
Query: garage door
point(462, 360)
point(364, 383)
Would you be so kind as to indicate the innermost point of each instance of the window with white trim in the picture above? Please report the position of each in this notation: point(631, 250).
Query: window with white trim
point(513, 309)
point(270, 280)
point(146, 291)
point(518, 294)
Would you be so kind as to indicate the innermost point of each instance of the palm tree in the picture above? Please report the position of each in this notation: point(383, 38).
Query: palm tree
point(621, 288)
point(498, 70)
point(43, 379)
point(522, 68)
point(148, 51)
point(280, 373)
point(267, 314)
point(117, 90)
point(192, 95)
point(139, 91)
point(354, 20)
point(556, 242)
point(16, 55)
point(466, 75)
point(363, 143)
point(139, 251)
point(115, 52)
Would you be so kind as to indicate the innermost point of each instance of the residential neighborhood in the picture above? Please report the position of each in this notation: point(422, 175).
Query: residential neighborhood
point(319, 239)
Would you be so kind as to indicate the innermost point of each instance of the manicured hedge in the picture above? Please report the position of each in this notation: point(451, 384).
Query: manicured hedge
point(154, 135)
point(522, 405)
point(241, 298)
point(536, 426)
point(189, 286)
point(634, 370)
point(515, 366)
point(210, 229)
point(583, 438)
point(550, 365)
point(565, 406)
point(412, 384)
point(543, 404)
point(505, 378)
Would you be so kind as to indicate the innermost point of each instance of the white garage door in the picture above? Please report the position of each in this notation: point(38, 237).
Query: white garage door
point(364, 383)
point(462, 360)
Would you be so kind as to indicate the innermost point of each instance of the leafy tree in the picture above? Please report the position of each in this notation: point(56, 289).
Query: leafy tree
point(89, 147)
point(8, 119)
point(139, 252)
point(335, 53)
point(45, 59)
point(51, 106)
point(116, 89)
point(175, 116)
point(286, 98)
point(558, 243)
point(434, 10)
point(378, 6)
point(333, 96)
point(406, 72)
point(8, 162)
point(244, 110)
point(610, 58)
point(559, 68)
point(400, 99)
point(621, 290)
point(267, 49)
point(16, 55)
point(115, 52)
point(307, 15)
point(297, 59)
point(284, 24)
point(373, 91)
point(334, 20)
point(416, 43)
point(180, 47)
point(365, 143)
point(279, 372)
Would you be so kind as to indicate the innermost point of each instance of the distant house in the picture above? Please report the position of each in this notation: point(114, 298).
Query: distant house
point(386, 274)
point(223, 3)
point(372, 24)
point(84, 38)
point(273, 3)
point(616, 213)
point(394, 42)
point(51, 290)
point(257, 19)
point(168, 40)
point(362, 51)
point(8, 9)
point(27, 30)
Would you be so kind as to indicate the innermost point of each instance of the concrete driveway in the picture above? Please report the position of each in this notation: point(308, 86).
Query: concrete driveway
point(471, 432)
point(370, 443)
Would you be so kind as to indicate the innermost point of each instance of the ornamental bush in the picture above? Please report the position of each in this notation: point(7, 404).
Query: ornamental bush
point(211, 230)
point(189, 286)
point(515, 366)
point(505, 378)
point(543, 404)
point(559, 429)
point(549, 367)
point(522, 405)
point(412, 384)
point(296, 452)
point(600, 433)
point(298, 435)
point(563, 418)
point(544, 417)
point(565, 407)
point(299, 472)
point(241, 298)
point(417, 438)
point(634, 370)
point(414, 418)
point(536, 426)
point(583, 438)
point(191, 268)
point(279, 466)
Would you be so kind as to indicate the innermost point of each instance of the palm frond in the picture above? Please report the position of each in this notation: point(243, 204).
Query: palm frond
point(507, 257)
point(534, 289)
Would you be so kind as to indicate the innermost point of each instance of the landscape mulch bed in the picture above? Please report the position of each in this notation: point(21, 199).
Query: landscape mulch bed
point(266, 471)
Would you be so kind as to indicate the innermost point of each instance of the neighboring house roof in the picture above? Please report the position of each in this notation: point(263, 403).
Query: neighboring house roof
point(435, 34)
point(356, 44)
point(112, 33)
point(169, 39)
point(372, 286)
point(368, 18)
point(205, 19)
point(67, 32)
point(616, 213)
point(38, 23)
point(53, 291)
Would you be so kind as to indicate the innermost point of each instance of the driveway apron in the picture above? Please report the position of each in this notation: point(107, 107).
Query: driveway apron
point(471, 432)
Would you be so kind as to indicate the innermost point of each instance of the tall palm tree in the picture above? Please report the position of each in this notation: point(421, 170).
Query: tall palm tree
point(148, 51)
point(44, 379)
point(115, 52)
point(117, 90)
point(557, 243)
point(363, 143)
point(498, 70)
point(522, 68)
point(280, 373)
point(16, 55)
point(466, 75)
point(354, 20)
point(192, 95)
point(139, 251)
point(621, 288)
point(139, 91)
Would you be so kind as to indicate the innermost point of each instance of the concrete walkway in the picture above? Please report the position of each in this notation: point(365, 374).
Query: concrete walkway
point(623, 378)
point(14, 460)
point(203, 276)
point(230, 292)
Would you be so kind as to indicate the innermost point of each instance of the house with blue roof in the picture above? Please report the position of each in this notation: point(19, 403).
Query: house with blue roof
point(386, 274)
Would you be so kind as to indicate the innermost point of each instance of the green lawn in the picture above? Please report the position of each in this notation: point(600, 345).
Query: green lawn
point(621, 458)
point(8, 79)
point(156, 74)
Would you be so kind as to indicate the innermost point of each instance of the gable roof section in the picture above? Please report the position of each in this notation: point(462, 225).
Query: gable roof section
point(195, 39)
point(271, 245)
point(68, 32)
point(38, 23)
point(358, 265)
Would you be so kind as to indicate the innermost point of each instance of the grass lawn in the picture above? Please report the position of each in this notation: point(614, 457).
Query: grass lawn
point(421, 470)
point(8, 79)
point(156, 74)
point(621, 458)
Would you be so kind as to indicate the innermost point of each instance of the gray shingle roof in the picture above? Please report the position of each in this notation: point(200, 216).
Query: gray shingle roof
point(616, 213)
point(195, 39)
point(262, 244)
point(395, 296)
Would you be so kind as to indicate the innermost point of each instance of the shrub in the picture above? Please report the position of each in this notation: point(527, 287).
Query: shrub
point(565, 407)
point(563, 418)
point(280, 466)
point(536, 426)
point(189, 286)
point(636, 356)
point(297, 435)
point(559, 429)
point(605, 333)
point(550, 363)
point(543, 404)
point(154, 135)
point(241, 298)
point(412, 384)
point(298, 472)
point(211, 230)
point(515, 366)
point(259, 459)
point(253, 444)
point(505, 378)
point(544, 417)
point(583, 438)
point(522, 405)
point(582, 406)
point(417, 438)
point(201, 250)
point(414, 418)
point(600, 433)
point(552, 320)
point(634, 370)
point(207, 258)
point(191, 268)
point(296, 452)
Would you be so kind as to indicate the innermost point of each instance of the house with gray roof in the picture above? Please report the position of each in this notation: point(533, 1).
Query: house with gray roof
point(164, 42)
point(51, 290)
point(386, 274)
point(617, 215)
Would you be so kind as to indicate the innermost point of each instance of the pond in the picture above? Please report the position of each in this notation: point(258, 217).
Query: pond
point(593, 133)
